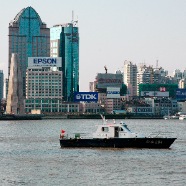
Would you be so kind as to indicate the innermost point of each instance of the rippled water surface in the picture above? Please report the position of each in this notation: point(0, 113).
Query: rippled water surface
point(30, 154)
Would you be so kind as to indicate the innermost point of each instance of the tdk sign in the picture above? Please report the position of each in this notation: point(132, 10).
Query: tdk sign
point(44, 62)
point(86, 96)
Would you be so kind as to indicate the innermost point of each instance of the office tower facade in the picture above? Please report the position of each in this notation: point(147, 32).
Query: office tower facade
point(178, 75)
point(64, 42)
point(15, 101)
point(43, 84)
point(130, 77)
point(144, 76)
point(1, 84)
point(28, 37)
point(5, 91)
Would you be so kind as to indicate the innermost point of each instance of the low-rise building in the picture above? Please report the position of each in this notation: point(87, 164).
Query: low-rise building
point(51, 106)
point(91, 108)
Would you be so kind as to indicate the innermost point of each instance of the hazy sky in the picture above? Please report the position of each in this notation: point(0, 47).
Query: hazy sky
point(111, 31)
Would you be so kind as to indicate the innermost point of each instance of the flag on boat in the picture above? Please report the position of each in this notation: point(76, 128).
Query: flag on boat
point(62, 131)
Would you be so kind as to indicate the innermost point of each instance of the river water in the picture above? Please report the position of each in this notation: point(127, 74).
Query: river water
point(30, 154)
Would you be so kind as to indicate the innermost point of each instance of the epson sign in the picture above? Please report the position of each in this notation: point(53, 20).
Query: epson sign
point(44, 61)
point(86, 96)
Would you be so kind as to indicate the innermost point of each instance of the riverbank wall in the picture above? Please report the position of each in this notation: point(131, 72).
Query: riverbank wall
point(70, 116)
point(97, 116)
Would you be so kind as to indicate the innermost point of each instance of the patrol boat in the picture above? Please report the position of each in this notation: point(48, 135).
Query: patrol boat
point(113, 135)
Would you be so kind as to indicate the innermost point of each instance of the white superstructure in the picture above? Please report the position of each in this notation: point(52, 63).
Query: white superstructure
point(113, 130)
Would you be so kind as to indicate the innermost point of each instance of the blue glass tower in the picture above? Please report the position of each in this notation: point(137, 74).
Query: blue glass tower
point(64, 41)
point(28, 37)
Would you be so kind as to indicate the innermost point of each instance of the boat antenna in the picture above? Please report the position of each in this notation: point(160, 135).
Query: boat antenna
point(103, 118)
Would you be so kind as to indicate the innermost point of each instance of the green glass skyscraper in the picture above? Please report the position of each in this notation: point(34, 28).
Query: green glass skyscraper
point(28, 37)
point(64, 42)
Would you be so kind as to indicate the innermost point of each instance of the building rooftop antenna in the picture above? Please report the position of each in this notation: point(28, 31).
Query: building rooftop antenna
point(157, 64)
point(29, 2)
point(72, 16)
point(74, 22)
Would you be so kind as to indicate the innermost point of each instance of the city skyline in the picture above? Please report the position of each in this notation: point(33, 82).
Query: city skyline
point(112, 32)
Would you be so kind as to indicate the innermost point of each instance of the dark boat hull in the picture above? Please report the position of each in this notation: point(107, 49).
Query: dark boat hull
point(160, 143)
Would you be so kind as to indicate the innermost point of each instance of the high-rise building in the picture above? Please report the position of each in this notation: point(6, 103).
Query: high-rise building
point(181, 83)
point(130, 77)
point(144, 75)
point(1, 84)
point(177, 74)
point(64, 42)
point(5, 91)
point(28, 37)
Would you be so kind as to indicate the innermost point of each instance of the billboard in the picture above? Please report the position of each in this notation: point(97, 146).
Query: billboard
point(113, 92)
point(162, 89)
point(86, 96)
point(154, 94)
point(143, 110)
point(109, 80)
point(181, 94)
point(44, 62)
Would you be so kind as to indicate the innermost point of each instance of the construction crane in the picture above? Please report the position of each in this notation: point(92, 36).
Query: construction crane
point(105, 69)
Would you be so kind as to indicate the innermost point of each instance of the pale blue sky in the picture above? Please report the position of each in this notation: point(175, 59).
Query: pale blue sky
point(111, 31)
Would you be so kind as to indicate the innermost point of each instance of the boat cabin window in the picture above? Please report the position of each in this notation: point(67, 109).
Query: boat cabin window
point(121, 129)
point(125, 126)
point(105, 129)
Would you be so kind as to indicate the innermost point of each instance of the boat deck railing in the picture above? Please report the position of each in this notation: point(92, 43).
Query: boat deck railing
point(83, 135)
point(160, 134)
point(77, 136)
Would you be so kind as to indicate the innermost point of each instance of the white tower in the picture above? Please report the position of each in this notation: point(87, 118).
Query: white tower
point(15, 104)
point(130, 77)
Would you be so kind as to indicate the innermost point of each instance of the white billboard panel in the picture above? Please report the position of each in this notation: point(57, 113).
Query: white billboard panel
point(44, 62)
point(109, 80)
point(155, 93)
point(113, 92)
point(143, 110)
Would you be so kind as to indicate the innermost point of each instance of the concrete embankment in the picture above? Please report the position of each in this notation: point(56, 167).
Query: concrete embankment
point(112, 116)
point(55, 117)
point(80, 116)
point(21, 117)
point(97, 116)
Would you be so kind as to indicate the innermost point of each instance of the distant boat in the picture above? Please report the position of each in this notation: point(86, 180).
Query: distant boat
point(171, 117)
point(166, 117)
point(182, 117)
point(176, 116)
